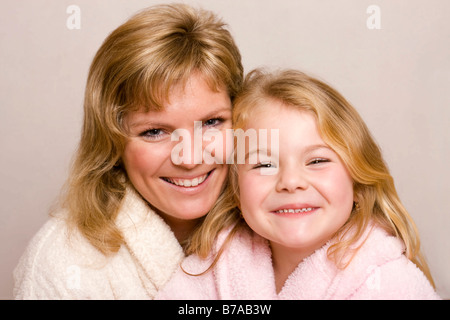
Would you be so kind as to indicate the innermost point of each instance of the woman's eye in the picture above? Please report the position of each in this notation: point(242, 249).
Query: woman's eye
point(213, 122)
point(152, 134)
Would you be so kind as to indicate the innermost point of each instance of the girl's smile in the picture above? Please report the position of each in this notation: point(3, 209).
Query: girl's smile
point(295, 209)
point(301, 204)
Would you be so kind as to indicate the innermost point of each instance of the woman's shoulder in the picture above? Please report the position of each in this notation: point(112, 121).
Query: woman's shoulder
point(54, 253)
point(56, 238)
point(46, 242)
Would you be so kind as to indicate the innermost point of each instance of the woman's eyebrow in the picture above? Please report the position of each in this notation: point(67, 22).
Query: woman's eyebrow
point(146, 123)
point(158, 123)
point(216, 112)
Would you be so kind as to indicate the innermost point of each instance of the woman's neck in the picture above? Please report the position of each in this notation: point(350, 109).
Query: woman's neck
point(182, 229)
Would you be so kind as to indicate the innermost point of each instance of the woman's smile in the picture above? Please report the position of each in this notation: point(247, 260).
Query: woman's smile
point(189, 183)
point(182, 190)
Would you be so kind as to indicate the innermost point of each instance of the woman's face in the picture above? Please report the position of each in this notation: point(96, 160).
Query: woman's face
point(187, 189)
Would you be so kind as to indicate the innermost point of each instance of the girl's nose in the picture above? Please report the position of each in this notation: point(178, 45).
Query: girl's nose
point(291, 180)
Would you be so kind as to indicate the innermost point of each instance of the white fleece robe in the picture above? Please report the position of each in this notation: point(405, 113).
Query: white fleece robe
point(379, 270)
point(58, 266)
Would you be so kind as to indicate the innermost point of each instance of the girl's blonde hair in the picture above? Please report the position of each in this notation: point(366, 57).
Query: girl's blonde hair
point(136, 66)
point(342, 128)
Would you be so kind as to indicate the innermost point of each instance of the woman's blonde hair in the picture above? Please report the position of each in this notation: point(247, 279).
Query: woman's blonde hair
point(342, 128)
point(135, 67)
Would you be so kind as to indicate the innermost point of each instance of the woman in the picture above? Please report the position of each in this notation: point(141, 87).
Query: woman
point(129, 209)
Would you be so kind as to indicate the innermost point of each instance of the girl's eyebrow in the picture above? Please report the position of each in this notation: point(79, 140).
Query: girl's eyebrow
point(315, 147)
point(256, 151)
point(267, 151)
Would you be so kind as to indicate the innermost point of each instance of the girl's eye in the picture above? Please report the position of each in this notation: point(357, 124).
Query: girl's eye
point(264, 165)
point(266, 168)
point(318, 161)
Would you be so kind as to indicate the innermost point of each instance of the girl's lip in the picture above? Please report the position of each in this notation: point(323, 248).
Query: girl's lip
point(295, 208)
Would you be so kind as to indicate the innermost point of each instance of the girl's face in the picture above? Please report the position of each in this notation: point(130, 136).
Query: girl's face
point(298, 198)
point(179, 191)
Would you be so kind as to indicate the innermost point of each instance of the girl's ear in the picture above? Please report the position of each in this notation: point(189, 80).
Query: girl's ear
point(356, 193)
point(356, 206)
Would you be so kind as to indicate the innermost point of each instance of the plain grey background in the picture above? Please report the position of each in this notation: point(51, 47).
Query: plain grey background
point(397, 77)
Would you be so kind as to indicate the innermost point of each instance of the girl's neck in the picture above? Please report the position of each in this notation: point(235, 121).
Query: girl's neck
point(285, 260)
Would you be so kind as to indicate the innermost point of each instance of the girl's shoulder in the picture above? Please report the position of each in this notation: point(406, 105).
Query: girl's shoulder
point(377, 247)
point(380, 270)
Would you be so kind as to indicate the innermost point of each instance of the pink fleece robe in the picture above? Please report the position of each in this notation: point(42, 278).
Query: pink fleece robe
point(379, 270)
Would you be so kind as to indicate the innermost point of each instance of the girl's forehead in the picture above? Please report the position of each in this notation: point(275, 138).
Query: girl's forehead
point(269, 111)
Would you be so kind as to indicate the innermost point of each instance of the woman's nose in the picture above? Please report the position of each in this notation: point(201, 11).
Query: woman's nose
point(187, 152)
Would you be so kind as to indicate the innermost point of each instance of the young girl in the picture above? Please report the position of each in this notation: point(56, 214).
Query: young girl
point(325, 218)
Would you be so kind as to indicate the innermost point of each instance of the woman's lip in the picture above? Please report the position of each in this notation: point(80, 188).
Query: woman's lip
point(188, 182)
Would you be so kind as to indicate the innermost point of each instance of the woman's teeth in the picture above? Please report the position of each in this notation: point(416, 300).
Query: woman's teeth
point(187, 182)
point(294, 210)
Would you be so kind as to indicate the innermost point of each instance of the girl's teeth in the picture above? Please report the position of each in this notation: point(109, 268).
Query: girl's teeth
point(294, 210)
